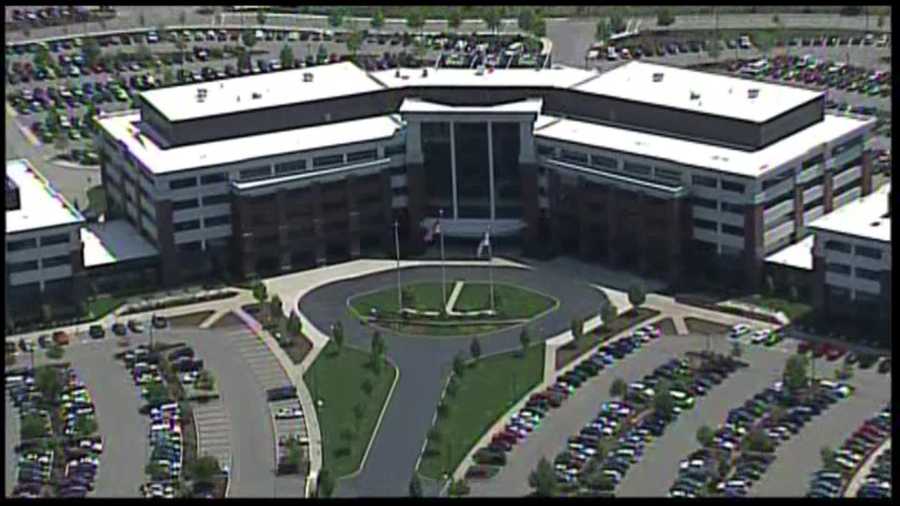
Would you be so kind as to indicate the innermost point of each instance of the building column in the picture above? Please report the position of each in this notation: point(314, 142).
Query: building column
point(490, 134)
point(554, 189)
point(798, 212)
point(166, 243)
point(866, 180)
point(320, 248)
point(284, 248)
point(584, 225)
point(530, 212)
point(754, 238)
point(353, 210)
point(644, 218)
point(828, 192)
point(676, 239)
point(612, 225)
point(415, 178)
point(453, 169)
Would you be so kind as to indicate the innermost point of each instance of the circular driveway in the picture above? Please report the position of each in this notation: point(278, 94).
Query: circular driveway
point(425, 362)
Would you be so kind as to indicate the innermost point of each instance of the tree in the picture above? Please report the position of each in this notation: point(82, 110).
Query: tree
point(452, 386)
point(287, 56)
point(156, 471)
point(377, 19)
point(244, 59)
point(260, 292)
point(543, 479)
point(636, 295)
point(492, 18)
point(764, 39)
point(475, 349)
point(32, 427)
point(408, 298)
point(759, 441)
point(354, 42)
point(359, 411)
point(458, 488)
point(459, 365)
point(539, 26)
point(705, 435)
point(795, 373)
point(776, 19)
point(737, 349)
point(294, 325)
point(168, 76)
point(337, 333)
point(415, 19)
point(55, 352)
point(261, 16)
point(617, 21)
point(90, 51)
point(276, 307)
point(156, 394)
point(664, 17)
point(714, 48)
point(608, 313)
point(85, 426)
point(336, 17)
point(526, 19)
point(182, 18)
point(248, 38)
point(205, 469)
point(325, 483)
point(48, 383)
point(367, 387)
point(524, 340)
point(618, 388)
point(415, 486)
point(662, 399)
point(206, 380)
point(828, 458)
point(454, 19)
point(378, 346)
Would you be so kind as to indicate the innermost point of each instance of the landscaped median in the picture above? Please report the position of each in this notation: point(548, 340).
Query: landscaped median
point(571, 351)
point(425, 314)
point(484, 392)
point(349, 399)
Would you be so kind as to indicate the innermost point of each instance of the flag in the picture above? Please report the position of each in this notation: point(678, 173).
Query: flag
point(485, 243)
point(435, 229)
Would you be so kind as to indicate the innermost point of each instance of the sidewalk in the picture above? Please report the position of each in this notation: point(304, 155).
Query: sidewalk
point(860, 476)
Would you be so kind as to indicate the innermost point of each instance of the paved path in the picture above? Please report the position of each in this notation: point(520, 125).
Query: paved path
point(799, 457)
point(863, 472)
point(424, 362)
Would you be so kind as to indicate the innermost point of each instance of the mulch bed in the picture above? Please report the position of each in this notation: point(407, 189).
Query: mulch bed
point(667, 327)
point(573, 350)
point(230, 320)
point(701, 326)
point(190, 319)
point(298, 349)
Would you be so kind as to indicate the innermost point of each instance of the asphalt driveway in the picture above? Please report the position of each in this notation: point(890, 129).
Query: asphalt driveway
point(425, 361)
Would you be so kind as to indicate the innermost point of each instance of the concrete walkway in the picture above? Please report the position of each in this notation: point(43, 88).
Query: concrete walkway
point(860, 476)
point(457, 289)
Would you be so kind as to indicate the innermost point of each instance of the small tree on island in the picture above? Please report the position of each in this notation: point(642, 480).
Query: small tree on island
point(415, 486)
point(524, 340)
point(705, 435)
point(618, 388)
point(337, 333)
point(577, 328)
point(325, 485)
point(543, 479)
point(459, 365)
point(475, 349)
point(636, 296)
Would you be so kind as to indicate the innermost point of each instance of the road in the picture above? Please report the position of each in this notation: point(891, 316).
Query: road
point(424, 362)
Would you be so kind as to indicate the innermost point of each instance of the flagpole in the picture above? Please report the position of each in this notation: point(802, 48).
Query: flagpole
point(443, 266)
point(491, 266)
point(397, 246)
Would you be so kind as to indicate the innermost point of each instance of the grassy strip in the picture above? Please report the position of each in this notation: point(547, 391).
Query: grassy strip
point(487, 390)
point(791, 309)
point(338, 382)
point(701, 326)
point(511, 301)
point(101, 306)
point(427, 297)
point(575, 349)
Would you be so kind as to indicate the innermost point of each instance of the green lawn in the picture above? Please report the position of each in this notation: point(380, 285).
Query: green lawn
point(101, 306)
point(426, 296)
point(337, 380)
point(487, 390)
point(792, 310)
point(512, 301)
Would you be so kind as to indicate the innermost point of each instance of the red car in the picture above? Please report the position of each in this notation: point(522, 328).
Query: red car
point(804, 347)
point(834, 352)
point(820, 350)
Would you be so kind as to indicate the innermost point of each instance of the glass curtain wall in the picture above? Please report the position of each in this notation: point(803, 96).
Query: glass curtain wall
point(507, 182)
point(438, 167)
point(472, 170)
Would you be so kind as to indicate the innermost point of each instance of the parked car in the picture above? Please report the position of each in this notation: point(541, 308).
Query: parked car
point(96, 332)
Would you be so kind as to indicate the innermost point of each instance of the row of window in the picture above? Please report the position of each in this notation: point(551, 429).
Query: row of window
point(778, 179)
point(860, 272)
point(32, 265)
point(844, 247)
point(47, 240)
point(212, 221)
point(852, 143)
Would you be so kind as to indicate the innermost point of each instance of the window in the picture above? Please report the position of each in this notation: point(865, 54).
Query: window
point(669, 174)
point(733, 187)
point(21, 245)
point(545, 150)
point(255, 173)
point(398, 150)
point(838, 268)
point(707, 181)
point(868, 252)
point(781, 220)
point(218, 177)
point(362, 156)
point(189, 246)
point(290, 167)
point(732, 230)
point(813, 203)
point(707, 203)
point(705, 224)
point(14, 267)
point(573, 156)
point(818, 181)
point(780, 178)
point(211, 200)
point(607, 162)
point(187, 182)
point(784, 197)
point(637, 168)
point(813, 161)
point(325, 161)
point(733, 208)
point(179, 205)
point(49, 240)
point(852, 143)
point(181, 226)
point(837, 246)
point(868, 274)
point(56, 261)
point(216, 221)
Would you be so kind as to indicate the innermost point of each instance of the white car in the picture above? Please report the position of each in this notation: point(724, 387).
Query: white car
point(286, 413)
point(760, 336)
point(189, 377)
point(739, 330)
point(89, 444)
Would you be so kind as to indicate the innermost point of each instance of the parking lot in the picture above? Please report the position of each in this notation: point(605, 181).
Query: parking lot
point(213, 431)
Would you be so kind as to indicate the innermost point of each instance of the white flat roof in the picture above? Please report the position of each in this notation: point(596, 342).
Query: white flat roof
point(558, 76)
point(798, 255)
point(719, 95)
point(221, 152)
point(113, 241)
point(41, 206)
point(861, 218)
point(529, 105)
point(227, 96)
point(730, 161)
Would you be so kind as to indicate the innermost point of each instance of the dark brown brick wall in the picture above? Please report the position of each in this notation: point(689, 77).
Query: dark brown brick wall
point(753, 239)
